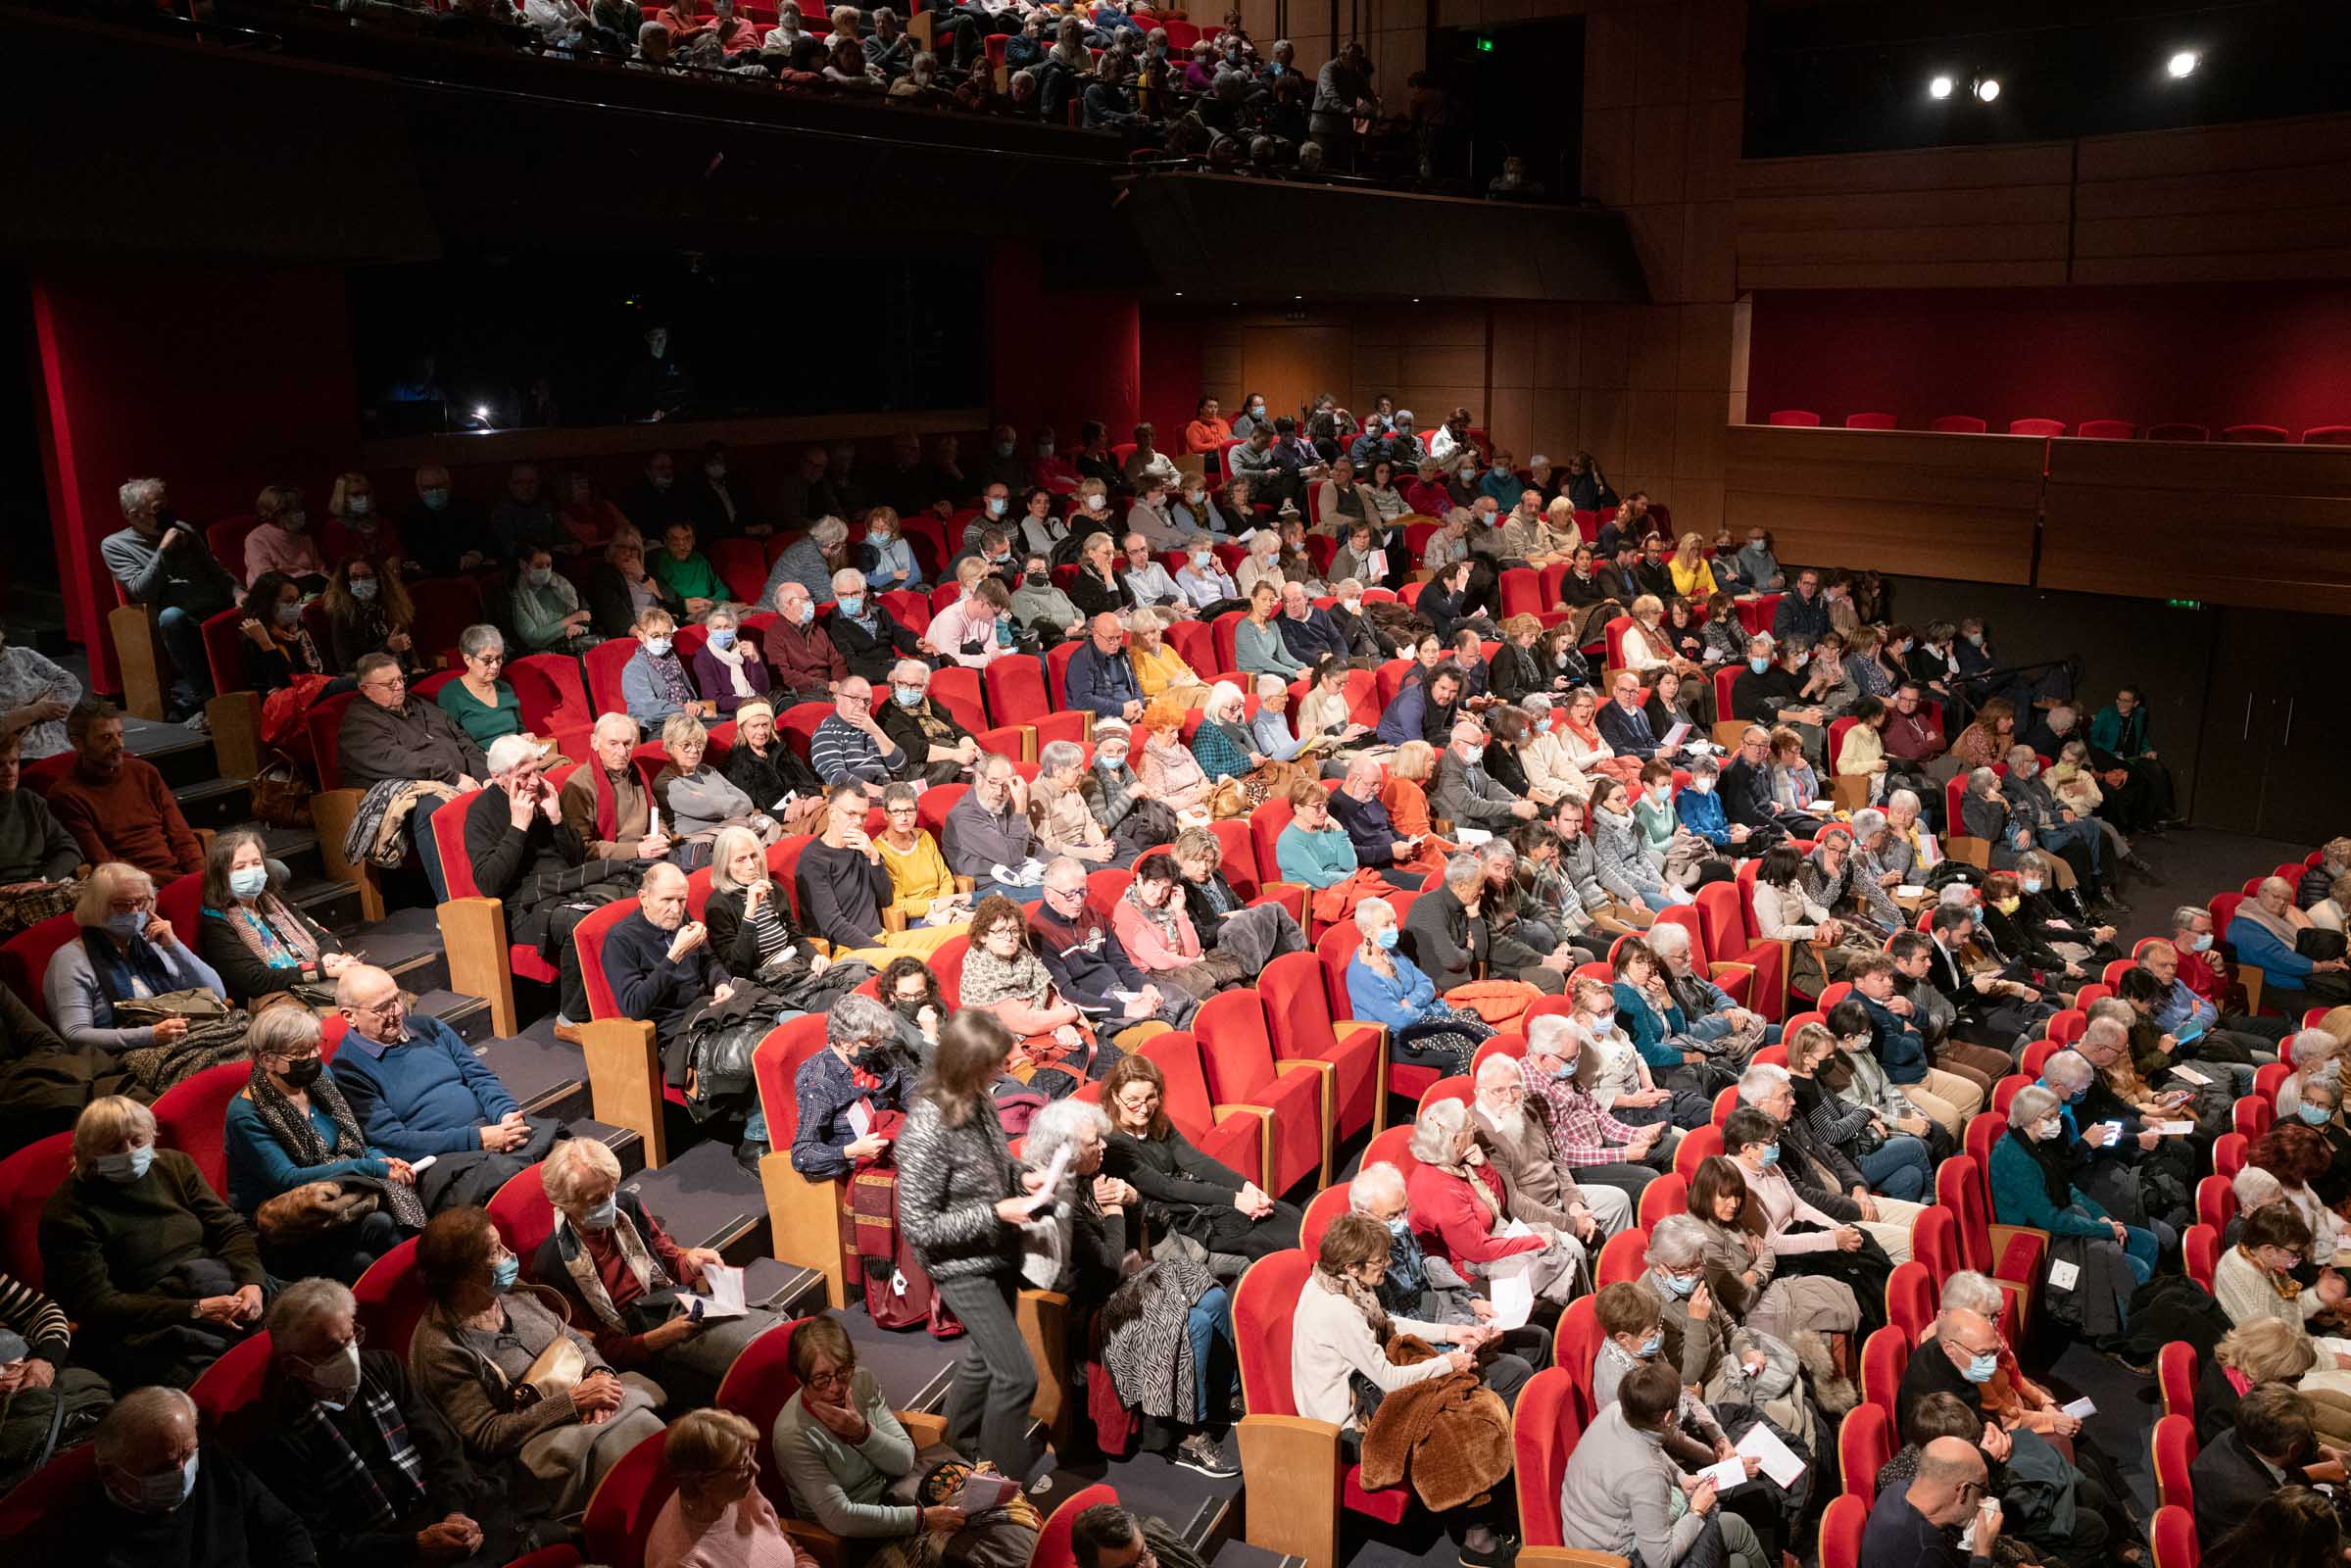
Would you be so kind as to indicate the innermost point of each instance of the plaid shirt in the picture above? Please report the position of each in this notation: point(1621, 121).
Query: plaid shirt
point(1578, 1124)
point(1554, 897)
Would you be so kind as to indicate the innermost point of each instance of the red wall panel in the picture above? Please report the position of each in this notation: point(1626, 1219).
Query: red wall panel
point(2212, 355)
point(1060, 356)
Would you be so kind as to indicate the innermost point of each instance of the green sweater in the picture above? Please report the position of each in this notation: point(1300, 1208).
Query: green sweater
point(1317, 860)
point(841, 1487)
point(691, 579)
point(108, 1245)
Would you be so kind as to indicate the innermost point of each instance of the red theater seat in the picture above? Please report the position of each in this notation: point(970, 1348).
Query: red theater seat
point(1298, 1013)
point(2106, 430)
point(624, 1066)
point(1958, 425)
point(2264, 433)
point(1869, 422)
point(2328, 435)
point(1796, 416)
point(2042, 427)
point(803, 1212)
point(1294, 1097)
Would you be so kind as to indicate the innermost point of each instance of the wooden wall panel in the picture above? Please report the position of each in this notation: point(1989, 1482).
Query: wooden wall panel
point(2146, 518)
point(1924, 505)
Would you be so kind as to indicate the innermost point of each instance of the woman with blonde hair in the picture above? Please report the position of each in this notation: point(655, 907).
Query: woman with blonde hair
point(697, 799)
point(2268, 1351)
point(1586, 748)
point(361, 529)
point(1406, 795)
point(1386, 987)
point(1160, 671)
point(127, 956)
point(717, 1517)
point(1693, 579)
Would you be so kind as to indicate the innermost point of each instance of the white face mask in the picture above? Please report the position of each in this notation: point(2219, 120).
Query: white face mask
point(336, 1379)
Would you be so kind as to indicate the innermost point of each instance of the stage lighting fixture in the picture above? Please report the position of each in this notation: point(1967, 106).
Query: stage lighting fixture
point(1988, 88)
point(2182, 64)
point(1939, 88)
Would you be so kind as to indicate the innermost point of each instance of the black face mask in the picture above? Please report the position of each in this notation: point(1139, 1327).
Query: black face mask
point(912, 1011)
point(1038, 579)
point(303, 1074)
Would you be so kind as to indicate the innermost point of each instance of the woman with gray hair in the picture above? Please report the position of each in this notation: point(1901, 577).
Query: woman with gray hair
point(1058, 809)
point(639, 1297)
point(728, 666)
point(322, 1200)
point(484, 705)
point(1386, 987)
point(1078, 1242)
point(697, 799)
point(128, 952)
point(1731, 1363)
point(2033, 1184)
point(1461, 1208)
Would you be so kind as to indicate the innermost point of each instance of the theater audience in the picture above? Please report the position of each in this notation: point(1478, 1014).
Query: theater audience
point(116, 805)
point(1384, 986)
point(390, 738)
point(417, 1089)
point(168, 1494)
point(128, 954)
point(621, 589)
point(249, 934)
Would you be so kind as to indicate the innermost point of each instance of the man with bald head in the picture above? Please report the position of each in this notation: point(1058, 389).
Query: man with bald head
point(658, 961)
point(169, 1495)
point(1959, 1357)
point(1920, 1526)
point(415, 1088)
point(2266, 933)
point(1466, 795)
point(1101, 678)
point(1309, 634)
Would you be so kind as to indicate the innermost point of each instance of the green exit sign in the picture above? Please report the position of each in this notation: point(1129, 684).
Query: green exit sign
point(2185, 603)
point(1485, 46)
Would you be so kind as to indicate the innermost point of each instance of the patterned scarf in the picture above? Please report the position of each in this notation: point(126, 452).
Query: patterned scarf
point(669, 678)
point(353, 1489)
point(299, 1136)
point(581, 1267)
point(1368, 1304)
point(1471, 1174)
point(272, 933)
point(2285, 1284)
point(1169, 917)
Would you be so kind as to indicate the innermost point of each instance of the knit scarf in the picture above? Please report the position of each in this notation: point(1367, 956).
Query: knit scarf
point(299, 1136)
point(732, 658)
point(581, 1267)
point(2056, 1175)
point(354, 1492)
point(115, 967)
point(1368, 1304)
point(2283, 929)
point(272, 933)
point(1169, 918)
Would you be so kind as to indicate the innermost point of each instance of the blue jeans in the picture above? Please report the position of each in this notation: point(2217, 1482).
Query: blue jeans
point(183, 642)
point(1899, 1168)
point(2085, 833)
point(428, 850)
point(1032, 894)
point(1210, 1319)
point(1659, 903)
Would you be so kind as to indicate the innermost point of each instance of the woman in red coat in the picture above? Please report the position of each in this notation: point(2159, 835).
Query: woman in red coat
point(1460, 1212)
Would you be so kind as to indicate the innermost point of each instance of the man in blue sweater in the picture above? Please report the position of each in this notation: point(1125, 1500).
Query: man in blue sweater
point(1310, 633)
point(1101, 679)
point(416, 1088)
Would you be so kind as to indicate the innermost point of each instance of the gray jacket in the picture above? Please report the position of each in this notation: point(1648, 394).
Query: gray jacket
point(950, 1180)
point(1467, 796)
point(184, 577)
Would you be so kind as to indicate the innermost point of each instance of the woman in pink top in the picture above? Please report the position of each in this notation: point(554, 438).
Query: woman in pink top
point(717, 1518)
point(1157, 931)
point(282, 542)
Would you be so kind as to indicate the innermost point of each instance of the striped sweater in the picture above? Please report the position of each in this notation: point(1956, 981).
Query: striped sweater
point(41, 1321)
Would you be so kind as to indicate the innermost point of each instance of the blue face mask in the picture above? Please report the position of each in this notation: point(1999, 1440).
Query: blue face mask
point(723, 637)
point(1109, 764)
point(1979, 1368)
point(1676, 1286)
point(1386, 936)
point(853, 606)
point(1651, 1345)
point(1771, 1155)
point(363, 589)
point(249, 882)
point(2030, 884)
point(603, 1216)
point(126, 923)
point(505, 1272)
point(1202, 557)
point(659, 647)
point(166, 1491)
point(435, 500)
point(1400, 1226)
point(909, 696)
point(1004, 448)
point(124, 1167)
point(2315, 1115)
point(2198, 942)
point(1759, 665)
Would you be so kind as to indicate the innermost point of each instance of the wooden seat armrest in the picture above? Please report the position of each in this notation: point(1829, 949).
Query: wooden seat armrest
point(965, 884)
point(1569, 1557)
point(235, 718)
point(1297, 1459)
point(1329, 1110)
point(927, 1428)
point(1044, 1318)
point(624, 1080)
point(474, 938)
point(331, 812)
point(1719, 969)
point(1265, 1141)
point(803, 1222)
point(894, 920)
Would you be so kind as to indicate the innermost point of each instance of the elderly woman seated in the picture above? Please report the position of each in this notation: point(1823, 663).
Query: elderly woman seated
point(2267, 935)
point(1340, 1335)
point(1058, 807)
point(252, 937)
point(158, 1274)
point(653, 684)
point(628, 1284)
point(1461, 1208)
point(2268, 1350)
point(1730, 1363)
point(2260, 1277)
point(762, 766)
point(129, 954)
point(695, 799)
point(1159, 670)
point(2033, 1184)
point(322, 1200)
point(853, 1468)
point(1157, 931)
point(534, 1402)
point(1383, 986)
point(1168, 769)
point(372, 1471)
point(754, 935)
point(728, 666)
point(717, 1514)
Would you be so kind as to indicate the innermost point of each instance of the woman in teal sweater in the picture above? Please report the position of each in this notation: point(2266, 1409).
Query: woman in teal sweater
point(290, 1126)
point(2033, 1185)
point(1313, 850)
point(1647, 1010)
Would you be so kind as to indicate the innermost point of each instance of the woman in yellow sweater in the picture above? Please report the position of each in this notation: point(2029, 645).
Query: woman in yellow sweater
point(921, 888)
point(1694, 577)
point(1158, 668)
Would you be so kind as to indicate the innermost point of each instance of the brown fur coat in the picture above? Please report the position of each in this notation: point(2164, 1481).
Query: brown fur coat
point(1451, 1434)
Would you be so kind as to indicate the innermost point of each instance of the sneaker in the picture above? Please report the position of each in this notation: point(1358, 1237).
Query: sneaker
point(1201, 1453)
point(199, 722)
point(1503, 1553)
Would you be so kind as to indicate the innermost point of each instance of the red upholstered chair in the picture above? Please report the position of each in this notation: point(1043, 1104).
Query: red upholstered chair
point(2037, 1057)
point(1663, 1196)
point(1389, 679)
point(1869, 422)
point(2066, 1027)
point(1544, 1426)
point(1052, 1540)
point(2254, 1117)
point(1725, 919)
point(2228, 1154)
point(2006, 1091)
point(2176, 1378)
point(482, 961)
point(2174, 1537)
point(1195, 644)
point(1864, 1443)
point(605, 663)
point(1797, 416)
point(553, 698)
point(2173, 1448)
point(757, 1387)
point(2040, 427)
point(1513, 1045)
point(958, 689)
point(624, 1063)
point(524, 1215)
point(2328, 435)
point(2215, 1202)
point(1958, 425)
point(2200, 1255)
point(2106, 430)
point(1613, 636)
point(1910, 1296)
point(232, 1386)
point(2269, 1077)
point(1622, 1258)
point(2012, 1254)
point(1842, 1524)
point(392, 1298)
point(1314, 1480)
point(1883, 1356)
point(1298, 1013)
point(58, 1489)
point(1522, 592)
point(1016, 696)
point(1324, 1208)
point(1699, 1143)
point(802, 1213)
point(1292, 1096)
point(742, 564)
point(191, 1116)
point(625, 1503)
point(1234, 1138)
point(27, 1179)
point(2260, 433)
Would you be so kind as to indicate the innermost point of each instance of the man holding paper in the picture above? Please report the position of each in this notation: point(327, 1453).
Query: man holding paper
point(1910, 1528)
point(1618, 1494)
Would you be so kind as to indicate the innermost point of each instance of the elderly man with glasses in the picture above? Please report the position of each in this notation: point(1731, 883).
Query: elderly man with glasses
point(850, 747)
point(389, 737)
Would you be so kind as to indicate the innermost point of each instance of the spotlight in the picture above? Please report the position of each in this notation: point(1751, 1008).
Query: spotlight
point(1988, 88)
point(2182, 64)
point(1939, 88)
point(481, 412)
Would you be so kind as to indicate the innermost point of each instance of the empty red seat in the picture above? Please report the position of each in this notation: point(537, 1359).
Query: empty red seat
point(2045, 428)
point(2328, 435)
point(1958, 425)
point(1299, 1016)
point(1292, 1096)
point(2253, 433)
point(1869, 422)
point(2106, 429)
point(1796, 416)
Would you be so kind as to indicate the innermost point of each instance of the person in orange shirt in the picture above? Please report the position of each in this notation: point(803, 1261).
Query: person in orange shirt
point(685, 20)
point(1207, 432)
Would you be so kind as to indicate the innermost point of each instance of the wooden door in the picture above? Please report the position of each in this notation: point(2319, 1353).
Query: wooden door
point(1290, 366)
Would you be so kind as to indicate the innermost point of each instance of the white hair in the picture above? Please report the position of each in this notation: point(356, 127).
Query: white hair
point(1433, 1132)
point(2030, 1104)
point(1062, 1124)
point(829, 533)
point(1495, 1069)
point(1760, 1082)
point(1868, 821)
point(136, 1418)
point(1221, 696)
point(2311, 1047)
point(1676, 1242)
point(2070, 1065)
point(303, 1303)
point(1666, 937)
point(1371, 1184)
point(2255, 1187)
point(1269, 685)
point(614, 723)
point(1970, 1292)
point(1904, 798)
point(848, 580)
point(1981, 778)
point(509, 752)
point(572, 1165)
point(1058, 755)
point(1367, 909)
point(1548, 1035)
point(137, 493)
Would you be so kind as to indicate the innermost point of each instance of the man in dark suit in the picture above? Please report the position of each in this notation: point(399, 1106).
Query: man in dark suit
point(1624, 722)
point(2271, 1445)
point(870, 639)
